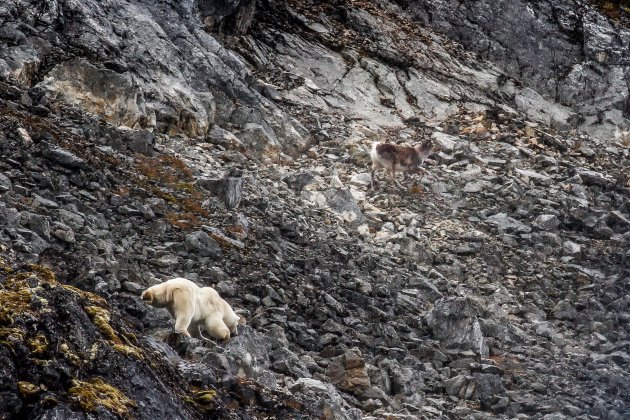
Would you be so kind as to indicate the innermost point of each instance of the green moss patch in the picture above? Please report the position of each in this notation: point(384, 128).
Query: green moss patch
point(93, 393)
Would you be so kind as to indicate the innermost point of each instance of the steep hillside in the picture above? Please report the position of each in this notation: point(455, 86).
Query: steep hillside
point(227, 142)
point(568, 51)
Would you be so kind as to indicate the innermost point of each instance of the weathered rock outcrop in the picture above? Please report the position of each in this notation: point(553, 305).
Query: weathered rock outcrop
point(146, 65)
point(569, 52)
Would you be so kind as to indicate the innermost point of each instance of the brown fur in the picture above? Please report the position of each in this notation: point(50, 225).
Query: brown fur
point(395, 158)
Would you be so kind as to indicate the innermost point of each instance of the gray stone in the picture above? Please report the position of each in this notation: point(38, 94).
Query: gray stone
point(5, 183)
point(488, 386)
point(229, 189)
point(202, 244)
point(73, 219)
point(41, 201)
point(583, 61)
point(225, 288)
point(545, 330)
point(328, 400)
point(299, 180)
point(616, 218)
point(460, 386)
point(564, 310)
point(30, 242)
point(590, 177)
point(260, 140)
point(63, 232)
point(454, 322)
point(361, 180)
point(571, 249)
point(538, 108)
point(341, 201)
point(8, 215)
point(38, 223)
point(546, 222)
point(445, 141)
point(225, 138)
point(474, 187)
point(348, 373)
point(133, 287)
point(61, 156)
point(507, 223)
point(528, 174)
point(24, 137)
point(141, 141)
point(222, 238)
point(147, 212)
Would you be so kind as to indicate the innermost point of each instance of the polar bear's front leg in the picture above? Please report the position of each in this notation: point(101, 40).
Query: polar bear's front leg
point(183, 310)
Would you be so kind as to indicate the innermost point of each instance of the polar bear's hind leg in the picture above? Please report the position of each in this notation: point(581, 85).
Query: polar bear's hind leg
point(216, 327)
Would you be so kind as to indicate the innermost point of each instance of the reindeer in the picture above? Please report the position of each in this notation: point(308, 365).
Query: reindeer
point(400, 158)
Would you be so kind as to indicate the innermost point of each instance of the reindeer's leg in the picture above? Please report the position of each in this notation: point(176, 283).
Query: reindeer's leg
point(372, 175)
point(394, 175)
point(423, 171)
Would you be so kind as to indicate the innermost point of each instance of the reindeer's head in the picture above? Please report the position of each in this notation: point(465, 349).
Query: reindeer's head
point(426, 148)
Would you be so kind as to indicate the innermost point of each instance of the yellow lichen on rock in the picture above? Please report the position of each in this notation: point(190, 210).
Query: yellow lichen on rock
point(15, 299)
point(18, 291)
point(95, 392)
point(28, 389)
point(69, 354)
point(38, 344)
point(100, 317)
point(8, 335)
point(5, 268)
point(91, 297)
point(44, 272)
point(202, 399)
point(128, 350)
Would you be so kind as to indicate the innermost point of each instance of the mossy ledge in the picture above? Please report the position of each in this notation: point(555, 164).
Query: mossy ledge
point(65, 351)
point(94, 393)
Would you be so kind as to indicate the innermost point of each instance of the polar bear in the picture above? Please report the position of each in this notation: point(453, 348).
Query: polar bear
point(193, 307)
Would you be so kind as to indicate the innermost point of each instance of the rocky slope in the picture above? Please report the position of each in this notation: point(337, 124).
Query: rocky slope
point(569, 52)
point(227, 142)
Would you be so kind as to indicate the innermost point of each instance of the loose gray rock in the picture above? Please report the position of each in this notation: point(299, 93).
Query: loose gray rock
point(61, 156)
point(546, 222)
point(5, 183)
point(229, 190)
point(507, 223)
point(202, 244)
point(460, 386)
point(342, 202)
point(454, 322)
point(63, 232)
point(488, 387)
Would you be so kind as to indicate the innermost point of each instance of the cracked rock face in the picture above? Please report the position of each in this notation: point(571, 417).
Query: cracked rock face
point(147, 65)
point(583, 64)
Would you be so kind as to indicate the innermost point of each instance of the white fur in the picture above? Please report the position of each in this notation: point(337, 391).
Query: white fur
point(192, 307)
point(380, 161)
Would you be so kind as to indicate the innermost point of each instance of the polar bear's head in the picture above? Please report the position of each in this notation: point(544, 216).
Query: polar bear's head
point(156, 296)
point(148, 296)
